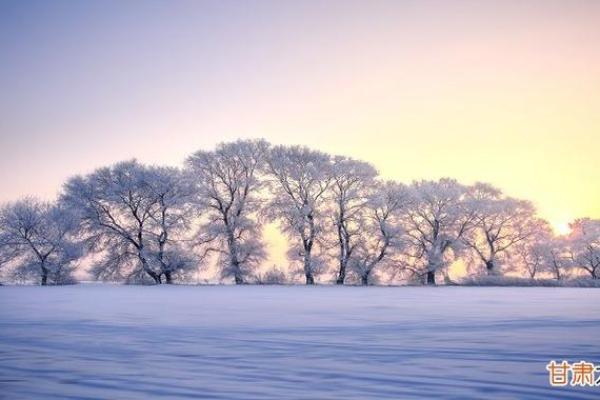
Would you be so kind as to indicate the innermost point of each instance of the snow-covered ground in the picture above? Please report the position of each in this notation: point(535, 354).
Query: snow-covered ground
point(224, 342)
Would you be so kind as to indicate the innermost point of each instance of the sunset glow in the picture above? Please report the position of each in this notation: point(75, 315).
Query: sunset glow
point(299, 199)
point(503, 92)
point(561, 228)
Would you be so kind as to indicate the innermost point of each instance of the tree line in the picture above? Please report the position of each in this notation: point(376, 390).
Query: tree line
point(142, 223)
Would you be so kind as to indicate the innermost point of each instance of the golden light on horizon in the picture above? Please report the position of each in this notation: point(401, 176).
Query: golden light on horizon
point(561, 228)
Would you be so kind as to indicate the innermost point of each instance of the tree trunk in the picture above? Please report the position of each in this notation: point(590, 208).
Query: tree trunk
point(168, 277)
point(310, 280)
point(44, 273)
point(365, 279)
point(345, 251)
point(431, 277)
point(235, 264)
point(237, 272)
point(233, 256)
point(489, 265)
point(153, 275)
point(341, 274)
point(557, 273)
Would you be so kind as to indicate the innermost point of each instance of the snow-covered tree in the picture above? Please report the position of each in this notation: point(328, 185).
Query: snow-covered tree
point(352, 184)
point(227, 182)
point(584, 246)
point(438, 217)
point(541, 252)
point(530, 257)
point(126, 211)
point(378, 229)
point(499, 223)
point(170, 224)
point(554, 256)
point(39, 238)
point(301, 178)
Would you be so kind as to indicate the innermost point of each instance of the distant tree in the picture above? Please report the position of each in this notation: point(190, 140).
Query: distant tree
point(437, 219)
point(499, 223)
point(301, 178)
point(227, 185)
point(584, 246)
point(541, 252)
point(352, 184)
point(38, 237)
point(379, 229)
point(554, 256)
point(126, 211)
point(531, 258)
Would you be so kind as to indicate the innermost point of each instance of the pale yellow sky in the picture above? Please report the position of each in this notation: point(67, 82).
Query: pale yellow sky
point(504, 92)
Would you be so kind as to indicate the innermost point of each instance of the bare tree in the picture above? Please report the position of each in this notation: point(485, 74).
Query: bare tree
point(121, 217)
point(38, 237)
point(352, 184)
point(227, 184)
point(584, 246)
point(301, 179)
point(499, 223)
point(379, 228)
point(438, 217)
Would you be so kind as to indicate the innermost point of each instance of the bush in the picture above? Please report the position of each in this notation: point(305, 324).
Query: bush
point(524, 282)
point(274, 276)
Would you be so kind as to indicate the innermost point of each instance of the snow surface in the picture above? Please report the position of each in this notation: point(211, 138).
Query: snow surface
point(274, 342)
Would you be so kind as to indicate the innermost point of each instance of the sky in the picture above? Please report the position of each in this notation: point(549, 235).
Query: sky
point(506, 92)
